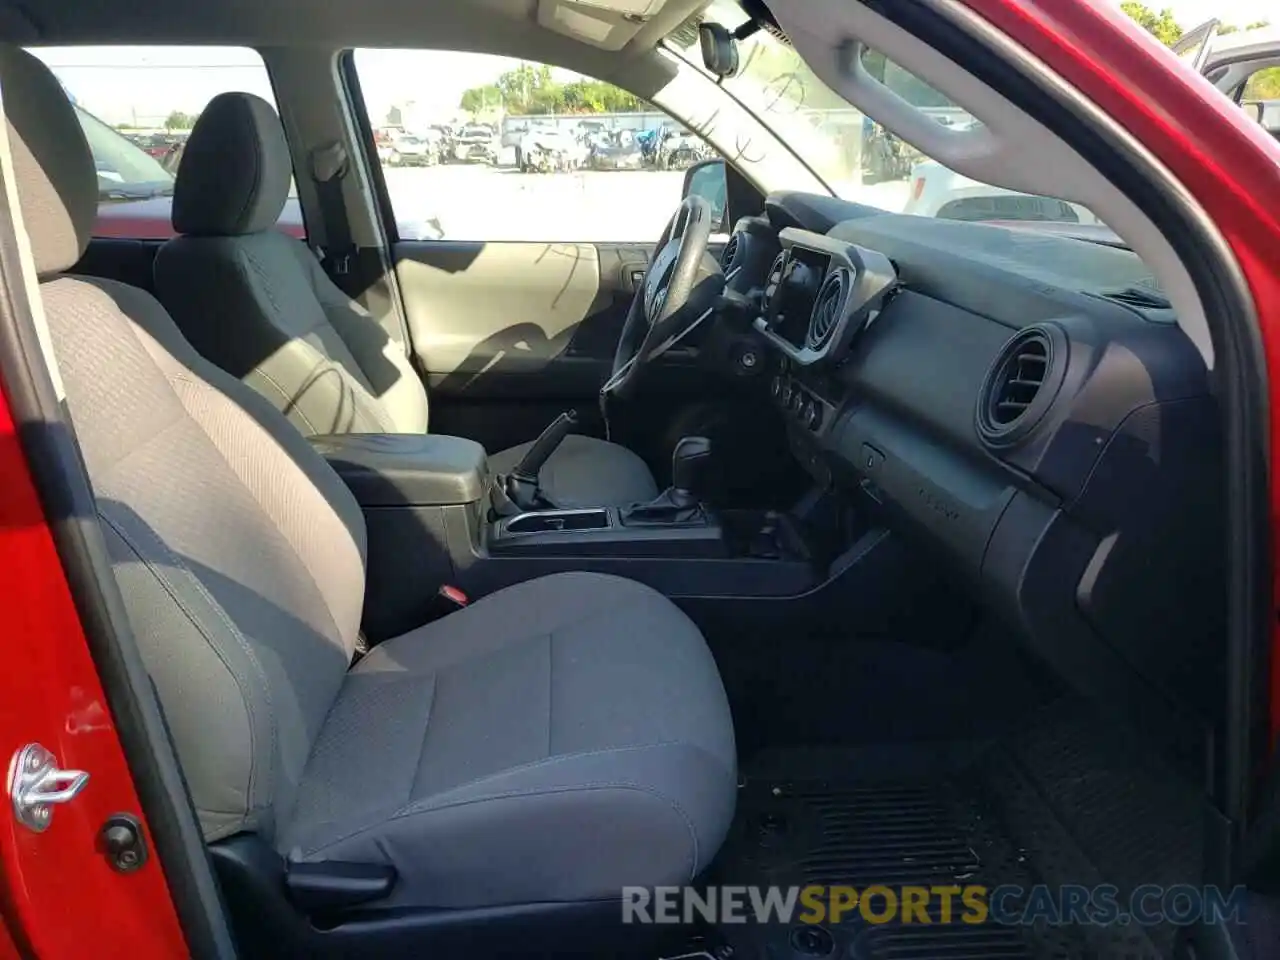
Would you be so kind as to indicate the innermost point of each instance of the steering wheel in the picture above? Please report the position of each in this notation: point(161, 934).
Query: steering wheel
point(672, 298)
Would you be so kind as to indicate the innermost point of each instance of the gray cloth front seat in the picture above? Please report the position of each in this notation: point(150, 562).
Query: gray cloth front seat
point(551, 743)
point(257, 304)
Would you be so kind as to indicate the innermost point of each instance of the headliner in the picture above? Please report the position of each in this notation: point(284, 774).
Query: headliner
point(506, 27)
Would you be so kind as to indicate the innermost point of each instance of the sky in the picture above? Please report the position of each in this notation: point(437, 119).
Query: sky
point(141, 85)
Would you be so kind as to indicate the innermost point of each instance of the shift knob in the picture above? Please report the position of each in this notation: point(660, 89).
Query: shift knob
point(689, 462)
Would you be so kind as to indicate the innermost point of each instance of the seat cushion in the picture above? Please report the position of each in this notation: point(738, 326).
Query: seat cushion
point(586, 472)
point(553, 742)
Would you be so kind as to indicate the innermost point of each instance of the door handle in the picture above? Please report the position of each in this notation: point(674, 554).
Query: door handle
point(37, 785)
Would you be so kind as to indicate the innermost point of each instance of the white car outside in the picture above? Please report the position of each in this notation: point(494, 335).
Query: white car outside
point(938, 191)
point(411, 150)
point(535, 134)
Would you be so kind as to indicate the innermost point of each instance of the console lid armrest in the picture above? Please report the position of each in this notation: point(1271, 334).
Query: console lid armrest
point(400, 469)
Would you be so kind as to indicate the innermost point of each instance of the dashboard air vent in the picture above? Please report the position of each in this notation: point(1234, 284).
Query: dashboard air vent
point(826, 310)
point(774, 279)
point(1021, 384)
point(1140, 297)
point(730, 253)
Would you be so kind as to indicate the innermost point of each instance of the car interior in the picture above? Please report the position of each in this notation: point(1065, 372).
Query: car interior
point(812, 544)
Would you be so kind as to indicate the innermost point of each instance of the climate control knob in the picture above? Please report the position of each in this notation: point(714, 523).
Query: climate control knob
point(775, 387)
point(796, 404)
point(784, 394)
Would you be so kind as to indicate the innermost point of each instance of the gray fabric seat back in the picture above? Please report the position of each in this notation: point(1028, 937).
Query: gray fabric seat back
point(256, 302)
point(239, 553)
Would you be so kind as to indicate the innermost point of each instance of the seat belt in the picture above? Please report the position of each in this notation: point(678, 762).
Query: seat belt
point(329, 168)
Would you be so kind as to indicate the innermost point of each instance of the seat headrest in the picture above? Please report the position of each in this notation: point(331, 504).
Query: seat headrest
point(56, 181)
point(234, 175)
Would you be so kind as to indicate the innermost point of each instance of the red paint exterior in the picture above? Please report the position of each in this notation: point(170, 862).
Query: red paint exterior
point(60, 894)
point(1224, 159)
point(152, 220)
point(59, 898)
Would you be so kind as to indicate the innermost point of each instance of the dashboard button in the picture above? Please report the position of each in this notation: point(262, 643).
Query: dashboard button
point(784, 395)
point(871, 458)
point(775, 387)
point(813, 415)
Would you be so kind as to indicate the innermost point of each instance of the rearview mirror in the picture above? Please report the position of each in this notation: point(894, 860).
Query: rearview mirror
point(719, 49)
point(707, 179)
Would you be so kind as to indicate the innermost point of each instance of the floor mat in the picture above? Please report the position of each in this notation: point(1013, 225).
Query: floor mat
point(1064, 801)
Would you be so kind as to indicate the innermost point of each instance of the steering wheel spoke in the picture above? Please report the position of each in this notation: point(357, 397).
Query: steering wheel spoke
point(658, 319)
point(618, 376)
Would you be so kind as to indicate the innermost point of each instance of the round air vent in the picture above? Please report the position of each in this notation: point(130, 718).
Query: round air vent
point(827, 308)
point(730, 253)
point(1021, 384)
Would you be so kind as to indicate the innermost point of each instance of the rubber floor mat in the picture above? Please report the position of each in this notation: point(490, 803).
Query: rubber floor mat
point(938, 815)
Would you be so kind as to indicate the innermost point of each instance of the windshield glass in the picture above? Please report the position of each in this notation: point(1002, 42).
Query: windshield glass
point(125, 171)
point(857, 158)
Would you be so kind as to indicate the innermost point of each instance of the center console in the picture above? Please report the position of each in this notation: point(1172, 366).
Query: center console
point(436, 516)
point(429, 506)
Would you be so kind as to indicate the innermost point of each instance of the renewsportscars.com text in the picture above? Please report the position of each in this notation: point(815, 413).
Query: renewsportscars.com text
point(1065, 905)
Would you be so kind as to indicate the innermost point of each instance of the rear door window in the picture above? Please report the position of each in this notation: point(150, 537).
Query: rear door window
point(137, 106)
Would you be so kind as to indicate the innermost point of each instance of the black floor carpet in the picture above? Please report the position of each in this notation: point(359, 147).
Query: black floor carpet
point(1066, 799)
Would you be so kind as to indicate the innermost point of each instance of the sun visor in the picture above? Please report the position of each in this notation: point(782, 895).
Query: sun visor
point(607, 24)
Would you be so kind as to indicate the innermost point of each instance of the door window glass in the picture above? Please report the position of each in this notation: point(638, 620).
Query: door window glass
point(489, 148)
point(137, 106)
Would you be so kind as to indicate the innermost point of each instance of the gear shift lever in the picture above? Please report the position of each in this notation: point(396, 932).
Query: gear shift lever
point(689, 462)
point(679, 502)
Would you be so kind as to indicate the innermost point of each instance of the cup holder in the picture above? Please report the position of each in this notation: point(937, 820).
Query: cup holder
point(557, 521)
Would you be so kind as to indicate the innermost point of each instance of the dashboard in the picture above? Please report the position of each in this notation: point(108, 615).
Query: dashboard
point(1022, 406)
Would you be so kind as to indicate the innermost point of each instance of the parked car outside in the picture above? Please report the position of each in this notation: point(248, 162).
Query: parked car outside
point(546, 149)
point(411, 150)
point(682, 149)
point(620, 150)
point(476, 142)
point(135, 191)
point(523, 134)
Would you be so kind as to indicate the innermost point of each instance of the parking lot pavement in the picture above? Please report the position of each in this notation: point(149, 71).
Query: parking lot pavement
point(479, 202)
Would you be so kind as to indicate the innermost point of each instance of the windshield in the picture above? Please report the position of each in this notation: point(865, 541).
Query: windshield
point(125, 171)
point(857, 158)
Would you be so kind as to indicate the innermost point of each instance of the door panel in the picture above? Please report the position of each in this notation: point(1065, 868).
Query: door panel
point(511, 334)
point(484, 313)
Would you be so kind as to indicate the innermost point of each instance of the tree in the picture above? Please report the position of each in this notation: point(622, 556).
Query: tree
point(1263, 85)
point(479, 99)
point(530, 90)
point(177, 120)
point(1160, 25)
point(1225, 28)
